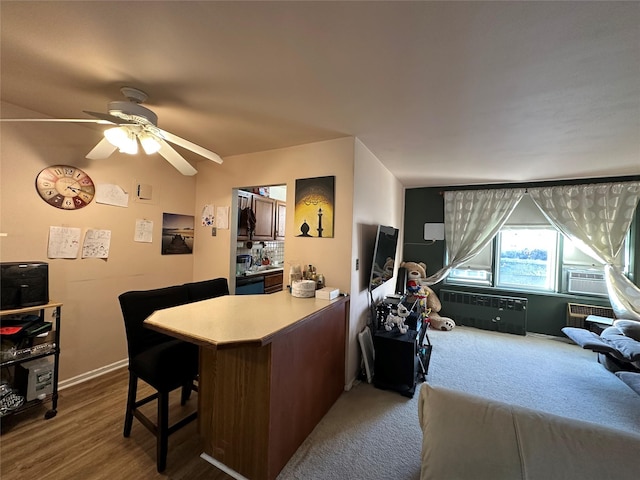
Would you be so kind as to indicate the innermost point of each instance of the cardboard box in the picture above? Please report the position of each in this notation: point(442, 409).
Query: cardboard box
point(327, 293)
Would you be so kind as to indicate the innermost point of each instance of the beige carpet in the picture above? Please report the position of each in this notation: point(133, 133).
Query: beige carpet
point(374, 434)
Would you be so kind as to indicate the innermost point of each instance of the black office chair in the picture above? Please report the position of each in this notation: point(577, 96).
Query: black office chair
point(162, 361)
point(206, 289)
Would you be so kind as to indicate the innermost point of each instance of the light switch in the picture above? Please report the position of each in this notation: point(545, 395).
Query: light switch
point(144, 191)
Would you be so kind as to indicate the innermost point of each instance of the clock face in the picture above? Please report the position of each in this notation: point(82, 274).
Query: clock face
point(66, 187)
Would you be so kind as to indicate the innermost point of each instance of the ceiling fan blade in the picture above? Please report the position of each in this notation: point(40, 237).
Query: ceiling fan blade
point(175, 159)
point(170, 137)
point(105, 117)
point(102, 150)
point(69, 120)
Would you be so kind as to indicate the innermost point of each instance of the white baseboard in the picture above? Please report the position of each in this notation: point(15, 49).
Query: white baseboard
point(83, 377)
point(229, 471)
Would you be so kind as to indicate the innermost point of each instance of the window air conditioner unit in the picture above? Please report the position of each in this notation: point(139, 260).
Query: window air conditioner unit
point(586, 282)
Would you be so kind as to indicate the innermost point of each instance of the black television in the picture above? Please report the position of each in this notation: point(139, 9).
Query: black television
point(384, 256)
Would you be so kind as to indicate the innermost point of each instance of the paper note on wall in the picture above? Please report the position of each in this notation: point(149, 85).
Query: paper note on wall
point(222, 217)
point(64, 242)
point(207, 216)
point(144, 231)
point(110, 194)
point(96, 243)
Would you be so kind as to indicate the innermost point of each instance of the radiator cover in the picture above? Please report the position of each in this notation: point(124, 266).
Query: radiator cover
point(489, 312)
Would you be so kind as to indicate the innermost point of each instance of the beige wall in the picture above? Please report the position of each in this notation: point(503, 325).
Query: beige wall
point(92, 331)
point(281, 167)
point(92, 334)
point(378, 199)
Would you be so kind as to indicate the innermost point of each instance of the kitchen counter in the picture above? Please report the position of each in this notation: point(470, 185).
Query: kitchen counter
point(267, 269)
point(271, 366)
point(235, 319)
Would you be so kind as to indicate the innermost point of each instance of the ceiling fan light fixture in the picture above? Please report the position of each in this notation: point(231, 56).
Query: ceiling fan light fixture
point(130, 146)
point(122, 138)
point(116, 136)
point(149, 143)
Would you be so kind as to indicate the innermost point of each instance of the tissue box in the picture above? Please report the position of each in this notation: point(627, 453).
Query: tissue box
point(327, 293)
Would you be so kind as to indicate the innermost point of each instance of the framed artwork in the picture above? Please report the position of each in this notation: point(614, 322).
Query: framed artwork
point(177, 234)
point(314, 207)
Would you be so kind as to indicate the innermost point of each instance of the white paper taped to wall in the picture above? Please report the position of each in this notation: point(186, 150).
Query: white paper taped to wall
point(207, 216)
point(144, 231)
point(222, 217)
point(110, 194)
point(96, 243)
point(64, 242)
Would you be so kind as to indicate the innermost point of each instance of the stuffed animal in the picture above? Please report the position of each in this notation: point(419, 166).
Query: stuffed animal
point(415, 271)
point(433, 302)
point(397, 320)
point(441, 323)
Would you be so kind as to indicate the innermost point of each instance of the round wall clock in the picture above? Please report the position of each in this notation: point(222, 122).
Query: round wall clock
point(66, 187)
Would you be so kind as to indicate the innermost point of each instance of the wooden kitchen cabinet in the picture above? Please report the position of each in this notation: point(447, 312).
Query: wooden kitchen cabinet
point(281, 216)
point(270, 216)
point(264, 209)
point(273, 282)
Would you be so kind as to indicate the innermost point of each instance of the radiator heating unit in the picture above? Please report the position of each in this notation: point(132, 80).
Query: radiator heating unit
point(488, 312)
point(577, 313)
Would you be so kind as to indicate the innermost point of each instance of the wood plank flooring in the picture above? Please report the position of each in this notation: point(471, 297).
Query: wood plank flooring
point(84, 440)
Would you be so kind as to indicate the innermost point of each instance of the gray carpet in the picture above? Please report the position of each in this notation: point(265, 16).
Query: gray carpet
point(374, 434)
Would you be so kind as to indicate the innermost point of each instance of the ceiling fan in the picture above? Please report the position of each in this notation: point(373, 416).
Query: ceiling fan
point(133, 123)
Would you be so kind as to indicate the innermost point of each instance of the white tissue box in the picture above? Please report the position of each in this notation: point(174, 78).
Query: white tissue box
point(327, 293)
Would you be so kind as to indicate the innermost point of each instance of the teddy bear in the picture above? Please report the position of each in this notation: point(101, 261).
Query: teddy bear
point(416, 272)
point(441, 323)
point(398, 319)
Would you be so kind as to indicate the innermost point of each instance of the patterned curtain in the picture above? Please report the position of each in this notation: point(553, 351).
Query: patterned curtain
point(597, 218)
point(471, 220)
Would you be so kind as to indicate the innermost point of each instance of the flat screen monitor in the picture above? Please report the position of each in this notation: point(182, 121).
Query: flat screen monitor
point(384, 256)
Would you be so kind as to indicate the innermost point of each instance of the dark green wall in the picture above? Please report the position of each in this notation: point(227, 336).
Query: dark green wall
point(546, 313)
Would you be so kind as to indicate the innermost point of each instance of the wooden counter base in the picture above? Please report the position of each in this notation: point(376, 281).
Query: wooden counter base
point(259, 403)
point(267, 376)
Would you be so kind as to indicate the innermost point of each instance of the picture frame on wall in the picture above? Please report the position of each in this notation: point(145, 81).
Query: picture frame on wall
point(314, 210)
point(177, 234)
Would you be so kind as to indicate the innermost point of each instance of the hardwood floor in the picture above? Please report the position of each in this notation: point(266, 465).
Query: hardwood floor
point(84, 440)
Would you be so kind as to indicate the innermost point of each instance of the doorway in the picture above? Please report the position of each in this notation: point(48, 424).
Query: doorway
point(259, 240)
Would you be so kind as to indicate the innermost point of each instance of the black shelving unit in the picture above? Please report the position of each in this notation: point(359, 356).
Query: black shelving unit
point(402, 359)
point(35, 352)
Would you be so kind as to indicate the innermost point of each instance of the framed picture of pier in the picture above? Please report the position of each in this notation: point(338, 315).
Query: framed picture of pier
point(314, 207)
point(177, 233)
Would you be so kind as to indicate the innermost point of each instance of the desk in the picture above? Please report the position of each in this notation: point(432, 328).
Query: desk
point(271, 366)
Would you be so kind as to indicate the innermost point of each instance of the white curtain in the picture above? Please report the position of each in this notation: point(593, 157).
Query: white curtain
point(597, 218)
point(471, 220)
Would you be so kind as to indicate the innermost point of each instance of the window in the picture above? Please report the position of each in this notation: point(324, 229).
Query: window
point(476, 271)
point(529, 254)
point(527, 258)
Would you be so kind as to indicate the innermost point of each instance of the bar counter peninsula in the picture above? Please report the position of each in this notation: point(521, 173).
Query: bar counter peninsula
point(271, 366)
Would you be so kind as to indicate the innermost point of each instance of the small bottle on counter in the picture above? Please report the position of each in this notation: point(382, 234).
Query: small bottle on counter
point(295, 274)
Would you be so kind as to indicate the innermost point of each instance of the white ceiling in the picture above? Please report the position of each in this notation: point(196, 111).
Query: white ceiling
point(443, 93)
